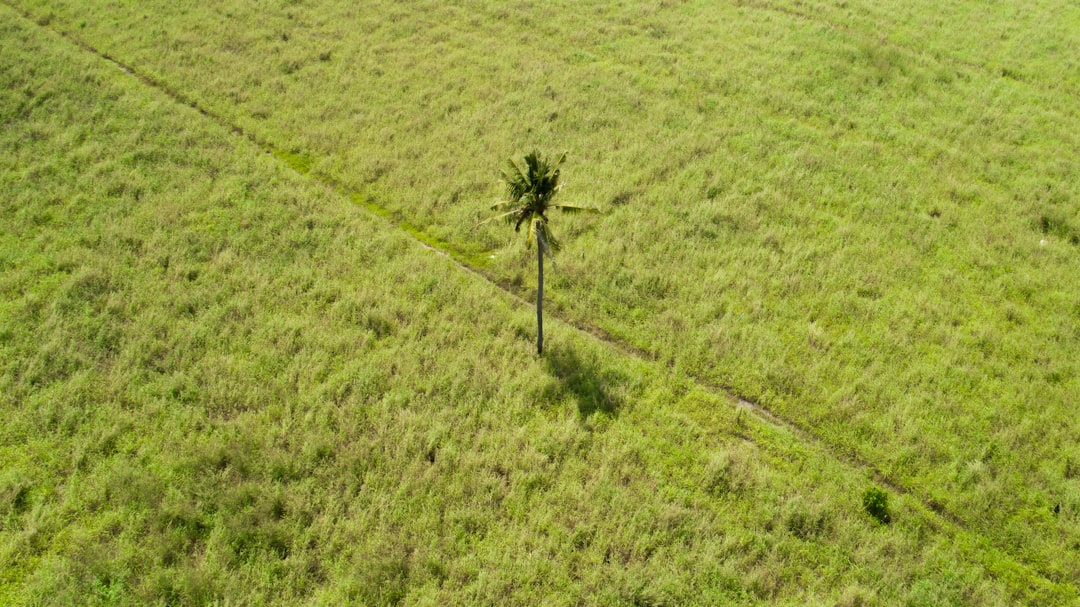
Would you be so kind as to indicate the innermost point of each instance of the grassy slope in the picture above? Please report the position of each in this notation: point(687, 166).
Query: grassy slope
point(1026, 41)
point(838, 212)
point(222, 382)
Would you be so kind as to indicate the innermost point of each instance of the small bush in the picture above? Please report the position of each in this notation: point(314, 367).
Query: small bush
point(876, 503)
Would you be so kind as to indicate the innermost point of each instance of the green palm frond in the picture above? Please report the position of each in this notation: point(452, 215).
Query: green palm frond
point(507, 216)
point(573, 208)
point(523, 215)
point(552, 246)
point(518, 180)
point(530, 234)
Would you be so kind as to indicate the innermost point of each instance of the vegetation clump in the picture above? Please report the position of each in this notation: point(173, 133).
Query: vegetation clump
point(876, 503)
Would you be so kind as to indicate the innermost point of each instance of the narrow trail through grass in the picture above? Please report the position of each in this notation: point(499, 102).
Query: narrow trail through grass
point(474, 264)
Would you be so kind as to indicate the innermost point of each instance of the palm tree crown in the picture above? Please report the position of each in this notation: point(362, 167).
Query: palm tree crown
point(530, 186)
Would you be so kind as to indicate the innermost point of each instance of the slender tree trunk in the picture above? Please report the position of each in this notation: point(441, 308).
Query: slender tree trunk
point(540, 244)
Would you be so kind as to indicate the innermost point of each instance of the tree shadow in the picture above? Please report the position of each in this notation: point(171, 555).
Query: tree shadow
point(584, 380)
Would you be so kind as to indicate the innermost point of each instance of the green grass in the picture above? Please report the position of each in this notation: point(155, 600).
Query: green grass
point(224, 381)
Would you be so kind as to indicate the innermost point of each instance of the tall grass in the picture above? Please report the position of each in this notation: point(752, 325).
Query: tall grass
point(212, 390)
point(864, 220)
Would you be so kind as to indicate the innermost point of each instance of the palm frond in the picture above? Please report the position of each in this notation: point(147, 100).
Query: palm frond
point(558, 161)
point(530, 234)
point(551, 245)
point(514, 170)
point(524, 214)
point(508, 216)
point(518, 179)
point(573, 208)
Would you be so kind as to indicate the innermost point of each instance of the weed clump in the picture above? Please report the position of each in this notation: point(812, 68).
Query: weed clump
point(876, 503)
point(806, 521)
point(729, 472)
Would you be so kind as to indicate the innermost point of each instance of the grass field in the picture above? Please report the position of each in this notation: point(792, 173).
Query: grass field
point(223, 380)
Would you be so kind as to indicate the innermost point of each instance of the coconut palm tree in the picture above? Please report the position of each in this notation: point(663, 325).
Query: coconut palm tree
point(530, 186)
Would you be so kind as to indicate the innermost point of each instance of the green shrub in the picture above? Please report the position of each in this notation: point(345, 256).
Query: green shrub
point(876, 503)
